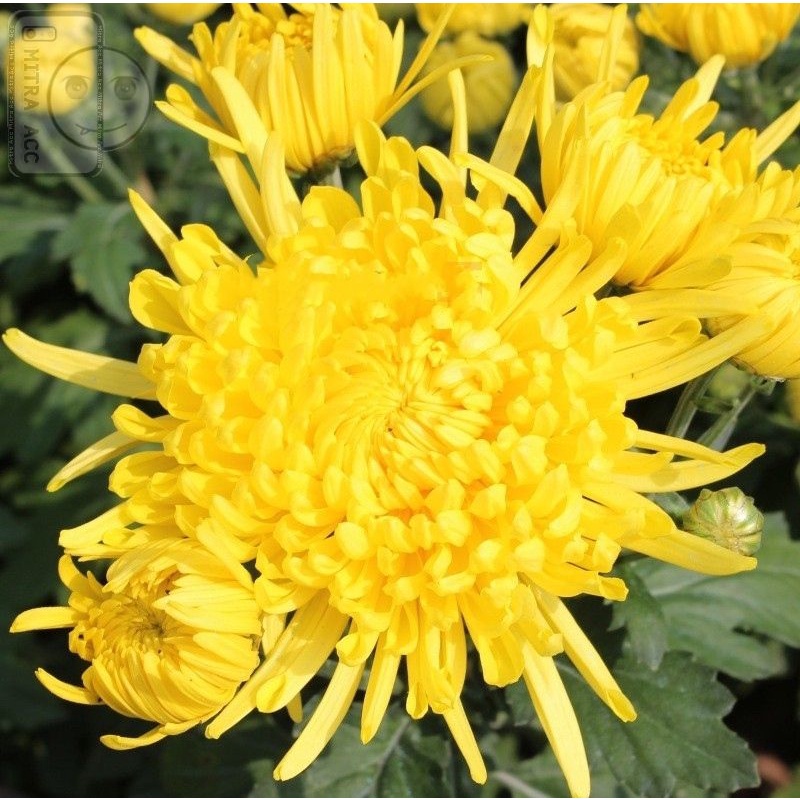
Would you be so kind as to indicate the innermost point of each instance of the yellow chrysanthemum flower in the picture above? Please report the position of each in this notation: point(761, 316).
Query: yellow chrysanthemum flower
point(490, 85)
point(485, 19)
point(765, 268)
point(170, 636)
point(416, 431)
point(311, 75)
point(578, 33)
point(182, 13)
point(744, 33)
point(653, 181)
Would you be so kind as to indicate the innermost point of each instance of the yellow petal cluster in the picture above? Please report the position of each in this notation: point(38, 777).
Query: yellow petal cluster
point(484, 19)
point(744, 33)
point(413, 433)
point(310, 74)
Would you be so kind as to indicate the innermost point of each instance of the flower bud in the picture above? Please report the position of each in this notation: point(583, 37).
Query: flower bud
point(727, 517)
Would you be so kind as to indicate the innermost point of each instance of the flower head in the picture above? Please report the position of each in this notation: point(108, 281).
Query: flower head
point(310, 74)
point(744, 33)
point(412, 430)
point(677, 198)
point(489, 85)
point(485, 19)
point(578, 33)
point(170, 636)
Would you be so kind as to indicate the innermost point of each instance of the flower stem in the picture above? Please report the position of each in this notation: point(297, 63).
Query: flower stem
point(515, 784)
point(68, 171)
point(718, 435)
point(687, 405)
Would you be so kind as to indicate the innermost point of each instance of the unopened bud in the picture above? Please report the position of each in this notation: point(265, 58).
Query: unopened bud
point(727, 517)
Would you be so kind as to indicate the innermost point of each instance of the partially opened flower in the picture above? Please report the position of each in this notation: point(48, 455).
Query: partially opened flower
point(412, 431)
point(170, 636)
point(675, 197)
point(490, 85)
point(485, 19)
point(311, 74)
point(765, 268)
point(744, 33)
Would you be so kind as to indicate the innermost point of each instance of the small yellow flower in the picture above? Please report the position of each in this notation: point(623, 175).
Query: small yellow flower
point(489, 85)
point(411, 430)
point(578, 32)
point(170, 636)
point(182, 13)
point(744, 33)
point(311, 74)
point(485, 19)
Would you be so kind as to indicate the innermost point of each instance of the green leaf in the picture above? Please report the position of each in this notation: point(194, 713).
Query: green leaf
point(722, 620)
point(26, 217)
point(103, 245)
point(678, 741)
point(401, 761)
point(644, 619)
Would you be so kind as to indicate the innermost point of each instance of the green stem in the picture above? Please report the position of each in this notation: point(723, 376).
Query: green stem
point(752, 96)
point(115, 175)
point(720, 432)
point(68, 171)
point(687, 405)
point(515, 784)
point(333, 178)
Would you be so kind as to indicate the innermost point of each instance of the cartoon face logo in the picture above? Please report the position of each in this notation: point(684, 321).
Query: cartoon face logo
point(85, 116)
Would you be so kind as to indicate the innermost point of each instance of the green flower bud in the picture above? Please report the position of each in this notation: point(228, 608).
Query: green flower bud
point(727, 517)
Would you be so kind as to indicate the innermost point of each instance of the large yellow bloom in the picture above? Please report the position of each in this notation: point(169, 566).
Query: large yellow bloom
point(413, 430)
point(744, 33)
point(311, 75)
point(170, 636)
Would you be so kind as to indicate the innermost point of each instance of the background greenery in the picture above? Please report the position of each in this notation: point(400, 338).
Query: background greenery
point(711, 664)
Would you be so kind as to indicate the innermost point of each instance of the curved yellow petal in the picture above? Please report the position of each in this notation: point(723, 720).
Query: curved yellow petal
point(102, 451)
point(585, 658)
point(554, 709)
point(66, 691)
point(101, 373)
point(459, 726)
point(690, 552)
point(115, 742)
point(323, 723)
point(38, 619)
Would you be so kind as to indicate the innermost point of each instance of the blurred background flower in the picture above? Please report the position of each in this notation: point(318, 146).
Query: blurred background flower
point(490, 85)
point(745, 33)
